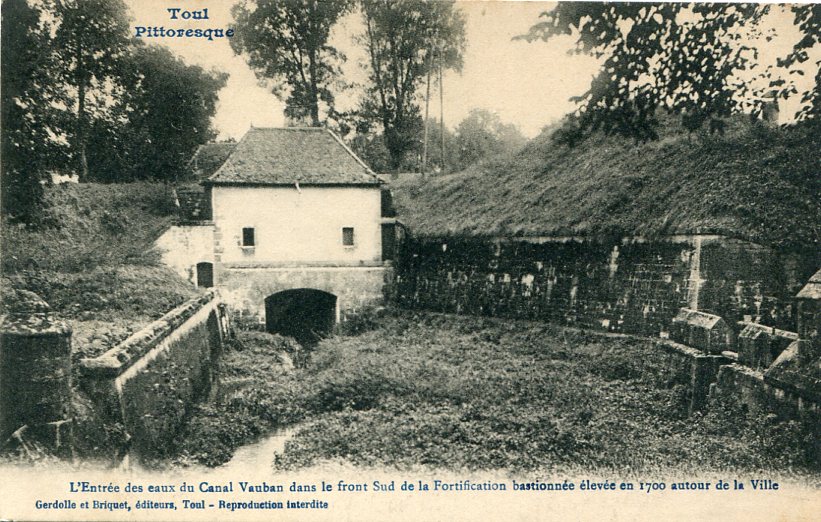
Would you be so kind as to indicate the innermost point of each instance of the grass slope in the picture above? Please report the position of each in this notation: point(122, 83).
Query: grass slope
point(93, 225)
point(95, 265)
point(755, 182)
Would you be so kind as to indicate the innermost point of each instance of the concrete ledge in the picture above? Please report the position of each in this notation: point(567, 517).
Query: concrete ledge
point(117, 360)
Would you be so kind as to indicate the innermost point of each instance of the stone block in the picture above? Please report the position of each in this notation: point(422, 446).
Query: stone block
point(709, 333)
point(759, 345)
point(35, 371)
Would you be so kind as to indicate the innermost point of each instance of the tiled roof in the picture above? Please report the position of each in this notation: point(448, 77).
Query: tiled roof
point(812, 290)
point(208, 158)
point(309, 156)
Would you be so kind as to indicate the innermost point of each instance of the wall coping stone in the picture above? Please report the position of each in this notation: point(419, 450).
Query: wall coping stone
point(796, 374)
point(33, 324)
point(118, 359)
point(754, 329)
point(696, 318)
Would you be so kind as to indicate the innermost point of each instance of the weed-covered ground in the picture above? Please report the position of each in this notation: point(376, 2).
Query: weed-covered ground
point(451, 392)
point(93, 261)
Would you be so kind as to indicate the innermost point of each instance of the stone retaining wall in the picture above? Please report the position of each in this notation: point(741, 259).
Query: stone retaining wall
point(761, 397)
point(629, 285)
point(35, 379)
point(148, 381)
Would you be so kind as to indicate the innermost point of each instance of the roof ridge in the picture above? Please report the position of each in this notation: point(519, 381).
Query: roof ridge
point(353, 155)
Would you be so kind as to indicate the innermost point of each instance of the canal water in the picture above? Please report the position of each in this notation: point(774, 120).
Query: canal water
point(258, 456)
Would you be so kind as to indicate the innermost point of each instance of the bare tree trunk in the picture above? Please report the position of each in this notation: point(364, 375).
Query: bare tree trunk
point(81, 115)
point(425, 141)
point(442, 115)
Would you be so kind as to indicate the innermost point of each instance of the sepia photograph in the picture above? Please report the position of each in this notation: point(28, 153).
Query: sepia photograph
point(410, 260)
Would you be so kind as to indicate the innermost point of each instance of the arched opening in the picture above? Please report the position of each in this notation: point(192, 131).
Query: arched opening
point(306, 315)
point(205, 275)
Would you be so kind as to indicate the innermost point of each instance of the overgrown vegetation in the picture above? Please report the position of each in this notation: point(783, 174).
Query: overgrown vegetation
point(473, 393)
point(95, 265)
point(91, 225)
point(756, 182)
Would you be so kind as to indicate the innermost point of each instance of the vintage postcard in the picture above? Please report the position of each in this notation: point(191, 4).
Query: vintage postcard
point(410, 260)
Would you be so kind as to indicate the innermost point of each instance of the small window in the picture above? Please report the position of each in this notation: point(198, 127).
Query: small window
point(347, 236)
point(248, 237)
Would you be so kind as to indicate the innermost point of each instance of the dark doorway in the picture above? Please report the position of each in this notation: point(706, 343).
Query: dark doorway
point(205, 275)
point(306, 315)
point(388, 241)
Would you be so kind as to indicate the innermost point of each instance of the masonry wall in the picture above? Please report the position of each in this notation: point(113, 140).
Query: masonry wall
point(148, 382)
point(753, 390)
point(183, 246)
point(630, 286)
point(298, 226)
point(742, 281)
point(35, 378)
point(245, 289)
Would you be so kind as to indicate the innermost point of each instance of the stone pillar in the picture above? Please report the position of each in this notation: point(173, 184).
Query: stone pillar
point(703, 373)
point(35, 379)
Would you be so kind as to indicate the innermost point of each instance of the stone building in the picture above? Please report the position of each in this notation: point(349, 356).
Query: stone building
point(291, 225)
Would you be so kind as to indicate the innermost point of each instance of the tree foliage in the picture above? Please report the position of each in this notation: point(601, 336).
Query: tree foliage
point(25, 121)
point(287, 41)
point(90, 38)
point(79, 95)
point(405, 40)
point(482, 134)
point(162, 116)
point(808, 21)
point(683, 58)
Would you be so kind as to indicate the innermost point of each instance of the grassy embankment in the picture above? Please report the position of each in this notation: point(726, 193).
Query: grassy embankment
point(95, 265)
point(454, 392)
point(96, 268)
point(755, 182)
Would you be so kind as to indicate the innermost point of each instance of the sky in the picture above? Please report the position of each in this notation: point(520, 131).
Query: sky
point(528, 84)
point(524, 83)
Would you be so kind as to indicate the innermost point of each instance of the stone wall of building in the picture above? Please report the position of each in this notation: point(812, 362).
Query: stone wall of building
point(183, 246)
point(631, 285)
point(148, 382)
point(245, 289)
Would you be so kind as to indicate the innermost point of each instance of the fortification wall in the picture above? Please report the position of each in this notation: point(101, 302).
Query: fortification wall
point(631, 286)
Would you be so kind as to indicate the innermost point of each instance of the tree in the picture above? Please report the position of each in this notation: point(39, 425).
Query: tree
point(287, 41)
point(682, 58)
point(90, 38)
point(164, 114)
point(808, 20)
point(435, 138)
point(482, 134)
point(26, 115)
point(406, 39)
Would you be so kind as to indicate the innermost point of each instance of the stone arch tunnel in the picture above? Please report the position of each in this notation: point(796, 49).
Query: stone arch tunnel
point(305, 314)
